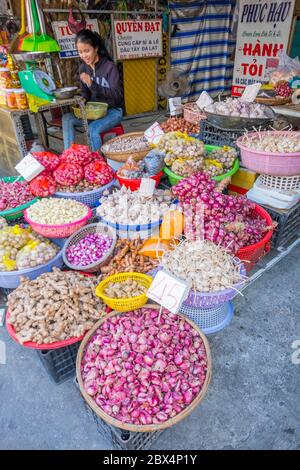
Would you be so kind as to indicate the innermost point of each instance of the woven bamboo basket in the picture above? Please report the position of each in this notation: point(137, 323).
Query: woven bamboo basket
point(123, 156)
point(150, 427)
point(278, 101)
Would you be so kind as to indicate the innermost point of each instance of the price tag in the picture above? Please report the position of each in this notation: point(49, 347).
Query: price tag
point(175, 106)
point(147, 186)
point(154, 133)
point(29, 167)
point(204, 100)
point(168, 291)
point(250, 92)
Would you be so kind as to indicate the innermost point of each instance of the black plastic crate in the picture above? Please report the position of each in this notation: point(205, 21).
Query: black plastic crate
point(288, 225)
point(60, 363)
point(214, 135)
point(121, 439)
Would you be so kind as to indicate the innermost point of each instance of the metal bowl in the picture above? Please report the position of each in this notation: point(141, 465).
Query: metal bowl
point(65, 93)
point(237, 122)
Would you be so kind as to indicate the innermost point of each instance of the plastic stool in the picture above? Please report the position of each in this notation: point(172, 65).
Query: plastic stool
point(117, 130)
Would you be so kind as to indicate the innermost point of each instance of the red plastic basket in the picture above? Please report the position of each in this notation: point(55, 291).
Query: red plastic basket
point(56, 344)
point(136, 183)
point(32, 345)
point(58, 231)
point(253, 253)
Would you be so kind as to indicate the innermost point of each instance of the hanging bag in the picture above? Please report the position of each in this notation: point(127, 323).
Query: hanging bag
point(74, 25)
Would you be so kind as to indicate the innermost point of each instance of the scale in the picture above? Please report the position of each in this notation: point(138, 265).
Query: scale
point(38, 85)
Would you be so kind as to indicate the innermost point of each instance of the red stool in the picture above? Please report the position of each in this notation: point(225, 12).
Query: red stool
point(117, 130)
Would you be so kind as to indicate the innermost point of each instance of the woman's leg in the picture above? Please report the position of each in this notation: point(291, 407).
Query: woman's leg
point(69, 121)
point(113, 117)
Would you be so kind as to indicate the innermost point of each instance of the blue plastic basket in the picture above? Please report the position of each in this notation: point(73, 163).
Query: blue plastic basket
point(90, 198)
point(133, 231)
point(210, 320)
point(11, 279)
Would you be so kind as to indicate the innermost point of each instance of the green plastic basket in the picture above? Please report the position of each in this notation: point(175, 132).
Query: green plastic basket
point(16, 212)
point(174, 178)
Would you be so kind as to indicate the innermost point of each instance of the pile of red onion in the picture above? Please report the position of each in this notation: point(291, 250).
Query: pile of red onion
point(77, 168)
point(98, 173)
point(14, 194)
point(226, 220)
point(79, 154)
point(283, 89)
point(142, 368)
point(68, 174)
point(49, 160)
point(89, 250)
point(42, 186)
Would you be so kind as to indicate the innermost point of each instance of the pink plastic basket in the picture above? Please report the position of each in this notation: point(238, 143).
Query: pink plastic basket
point(58, 231)
point(274, 164)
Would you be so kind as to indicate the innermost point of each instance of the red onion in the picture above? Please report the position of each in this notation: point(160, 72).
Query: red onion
point(14, 194)
point(42, 186)
point(227, 220)
point(89, 250)
point(79, 154)
point(98, 172)
point(147, 388)
point(68, 174)
point(49, 160)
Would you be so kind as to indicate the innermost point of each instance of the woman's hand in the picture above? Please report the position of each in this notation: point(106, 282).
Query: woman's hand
point(85, 78)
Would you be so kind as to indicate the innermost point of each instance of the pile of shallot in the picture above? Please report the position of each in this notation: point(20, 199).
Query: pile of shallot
point(144, 368)
point(89, 250)
point(14, 194)
point(229, 221)
point(179, 124)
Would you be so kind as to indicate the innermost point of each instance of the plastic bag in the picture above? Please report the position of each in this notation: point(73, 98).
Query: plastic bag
point(7, 263)
point(35, 253)
point(156, 247)
point(172, 225)
point(131, 169)
point(286, 70)
point(14, 237)
point(154, 162)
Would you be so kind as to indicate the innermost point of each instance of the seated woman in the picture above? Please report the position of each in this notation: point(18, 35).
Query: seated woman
point(99, 81)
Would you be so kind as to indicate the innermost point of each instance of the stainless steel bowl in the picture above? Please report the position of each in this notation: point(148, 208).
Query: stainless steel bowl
point(65, 93)
point(238, 123)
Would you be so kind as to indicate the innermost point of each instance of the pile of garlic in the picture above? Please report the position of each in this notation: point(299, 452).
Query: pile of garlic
point(128, 207)
point(274, 142)
point(56, 211)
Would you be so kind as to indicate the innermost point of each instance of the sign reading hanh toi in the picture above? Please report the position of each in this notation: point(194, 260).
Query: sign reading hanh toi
point(263, 31)
point(138, 39)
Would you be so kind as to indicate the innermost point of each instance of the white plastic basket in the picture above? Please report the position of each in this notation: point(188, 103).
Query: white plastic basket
point(209, 320)
point(285, 183)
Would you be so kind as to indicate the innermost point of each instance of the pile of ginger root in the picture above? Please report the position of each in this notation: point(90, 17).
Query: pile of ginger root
point(54, 307)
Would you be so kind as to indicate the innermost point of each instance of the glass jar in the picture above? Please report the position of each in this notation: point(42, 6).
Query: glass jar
point(10, 98)
point(5, 78)
point(14, 75)
point(3, 100)
point(21, 98)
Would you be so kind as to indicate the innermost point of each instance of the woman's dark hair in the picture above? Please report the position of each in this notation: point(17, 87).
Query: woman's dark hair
point(93, 39)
